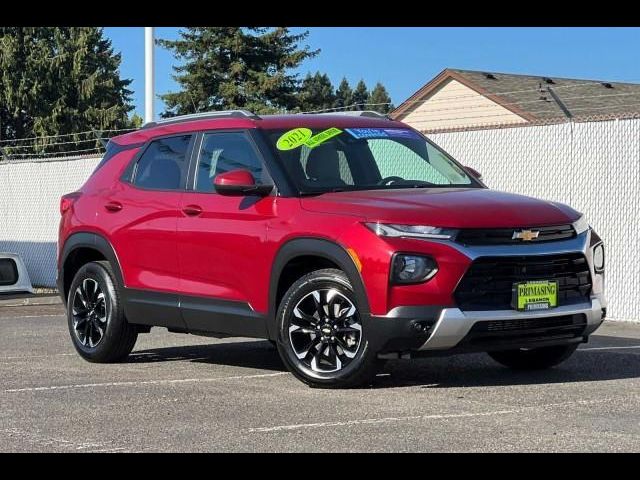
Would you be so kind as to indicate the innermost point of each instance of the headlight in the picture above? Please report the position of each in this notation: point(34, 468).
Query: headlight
point(581, 225)
point(407, 268)
point(413, 231)
point(598, 258)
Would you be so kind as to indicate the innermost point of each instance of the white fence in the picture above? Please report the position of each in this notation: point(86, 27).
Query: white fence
point(30, 194)
point(594, 167)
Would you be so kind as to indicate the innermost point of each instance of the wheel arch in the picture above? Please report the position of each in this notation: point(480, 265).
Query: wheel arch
point(319, 248)
point(83, 243)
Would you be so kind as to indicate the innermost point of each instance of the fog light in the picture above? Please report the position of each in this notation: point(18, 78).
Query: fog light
point(412, 268)
point(598, 258)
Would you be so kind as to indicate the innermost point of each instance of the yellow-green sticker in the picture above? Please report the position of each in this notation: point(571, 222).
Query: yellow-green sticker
point(322, 137)
point(293, 138)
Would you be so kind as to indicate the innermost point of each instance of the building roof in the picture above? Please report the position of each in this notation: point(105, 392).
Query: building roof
point(537, 98)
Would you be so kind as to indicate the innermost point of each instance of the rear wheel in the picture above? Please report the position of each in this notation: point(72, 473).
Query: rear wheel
point(534, 358)
point(321, 338)
point(98, 327)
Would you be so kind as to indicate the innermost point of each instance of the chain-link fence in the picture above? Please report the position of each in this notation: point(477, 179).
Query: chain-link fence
point(30, 192)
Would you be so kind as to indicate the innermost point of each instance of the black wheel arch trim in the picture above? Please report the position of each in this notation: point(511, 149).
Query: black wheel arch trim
point(318, 247)
point(91, 240)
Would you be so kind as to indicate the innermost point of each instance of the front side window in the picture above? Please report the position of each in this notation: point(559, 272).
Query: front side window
point(330, 159)
point(222, 152)
point(163, 165)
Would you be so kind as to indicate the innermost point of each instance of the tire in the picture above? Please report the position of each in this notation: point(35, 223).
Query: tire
point(356, 365)
point(104, 313)
point(534, 359)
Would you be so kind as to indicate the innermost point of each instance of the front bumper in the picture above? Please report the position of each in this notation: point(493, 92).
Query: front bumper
point(433, 329)
point(453, 325)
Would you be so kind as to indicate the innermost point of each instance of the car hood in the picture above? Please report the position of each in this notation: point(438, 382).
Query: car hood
point(440, 207)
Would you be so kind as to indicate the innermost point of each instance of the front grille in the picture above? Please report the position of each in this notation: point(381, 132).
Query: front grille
point(526, 330)
point(8, 272)
point(504, 236)
point(488, 283)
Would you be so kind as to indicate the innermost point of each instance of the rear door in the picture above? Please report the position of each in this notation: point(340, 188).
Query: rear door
point(143, 214)
point(220, 239)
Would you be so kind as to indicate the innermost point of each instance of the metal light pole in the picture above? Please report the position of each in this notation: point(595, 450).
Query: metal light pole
point(148, 74)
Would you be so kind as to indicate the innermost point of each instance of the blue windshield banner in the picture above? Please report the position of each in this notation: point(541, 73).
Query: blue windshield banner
point(361, 133)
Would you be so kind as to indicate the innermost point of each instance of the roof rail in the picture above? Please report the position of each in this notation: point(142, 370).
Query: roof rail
point(359, 113)
point(204, 116)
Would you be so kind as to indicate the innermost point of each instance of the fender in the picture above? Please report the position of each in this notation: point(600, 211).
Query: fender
point(87, 240)
point(320, 248)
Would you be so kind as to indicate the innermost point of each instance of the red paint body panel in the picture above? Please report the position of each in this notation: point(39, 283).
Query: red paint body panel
point(223, 247)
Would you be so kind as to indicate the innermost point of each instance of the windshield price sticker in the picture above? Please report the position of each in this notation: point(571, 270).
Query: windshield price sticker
point(302, 136)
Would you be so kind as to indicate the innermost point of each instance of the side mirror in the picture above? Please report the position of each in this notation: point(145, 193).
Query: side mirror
point(239, 183)
point(473, 172)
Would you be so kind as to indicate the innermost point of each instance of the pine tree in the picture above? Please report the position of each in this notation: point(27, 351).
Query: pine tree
point(360, 96)
point(316, 93)
point(234, 67)
point(379, 99)
point(60, 80)
point(344, 96)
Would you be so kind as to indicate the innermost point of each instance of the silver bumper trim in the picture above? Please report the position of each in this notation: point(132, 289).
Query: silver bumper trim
point(453, 324)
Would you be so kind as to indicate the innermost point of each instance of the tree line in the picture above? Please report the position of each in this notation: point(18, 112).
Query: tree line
point(64, 80)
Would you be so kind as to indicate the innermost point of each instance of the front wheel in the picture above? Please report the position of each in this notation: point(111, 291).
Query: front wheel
point(321, 338)
point(534, 358)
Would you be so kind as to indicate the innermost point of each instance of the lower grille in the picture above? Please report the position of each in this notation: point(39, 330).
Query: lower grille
point(488, 283)
point(496, 332)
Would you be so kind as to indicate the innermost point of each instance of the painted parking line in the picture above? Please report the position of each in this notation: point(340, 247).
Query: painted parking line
point(14, 317)
point(29, 357)
point(47, 442)
point(444, 416)
point(609, 348)
point(142, 383)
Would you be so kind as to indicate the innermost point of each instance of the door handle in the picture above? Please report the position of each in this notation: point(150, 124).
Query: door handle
point(192, 210)
point(113, 206)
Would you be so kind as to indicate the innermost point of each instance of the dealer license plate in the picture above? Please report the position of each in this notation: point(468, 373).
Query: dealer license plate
point(537, 295)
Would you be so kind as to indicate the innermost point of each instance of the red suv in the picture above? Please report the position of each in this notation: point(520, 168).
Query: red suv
point(345, 239)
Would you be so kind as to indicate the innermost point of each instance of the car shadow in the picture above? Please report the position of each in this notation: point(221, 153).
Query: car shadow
point(251, 354)
point(603, 358)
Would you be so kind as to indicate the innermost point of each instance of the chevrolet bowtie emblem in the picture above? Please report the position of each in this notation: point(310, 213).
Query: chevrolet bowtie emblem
point(526, 235)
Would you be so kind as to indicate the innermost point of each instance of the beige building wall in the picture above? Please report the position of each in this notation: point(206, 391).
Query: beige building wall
point(455, 105)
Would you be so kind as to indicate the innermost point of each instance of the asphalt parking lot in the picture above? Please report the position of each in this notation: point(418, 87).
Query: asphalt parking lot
point(186, 393)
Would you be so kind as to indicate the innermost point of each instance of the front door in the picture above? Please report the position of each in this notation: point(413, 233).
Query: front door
point(220, 239)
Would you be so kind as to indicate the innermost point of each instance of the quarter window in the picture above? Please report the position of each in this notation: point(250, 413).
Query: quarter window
point(163, 165)
point(223, 152)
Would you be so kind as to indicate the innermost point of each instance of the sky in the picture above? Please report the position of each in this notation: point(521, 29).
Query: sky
point(404, 59)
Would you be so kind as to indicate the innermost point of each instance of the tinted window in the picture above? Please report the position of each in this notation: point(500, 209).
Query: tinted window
point(223, 152)
point(163, 164)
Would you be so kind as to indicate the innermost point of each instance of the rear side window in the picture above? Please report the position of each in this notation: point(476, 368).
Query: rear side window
point(223, 152)
point(163, 165)
point(112, 150)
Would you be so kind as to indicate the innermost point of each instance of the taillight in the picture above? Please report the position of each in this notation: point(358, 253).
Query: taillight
point(66, 202)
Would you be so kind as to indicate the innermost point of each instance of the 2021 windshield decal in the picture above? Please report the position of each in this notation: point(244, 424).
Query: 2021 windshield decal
point(293, 138)
point(302, 136)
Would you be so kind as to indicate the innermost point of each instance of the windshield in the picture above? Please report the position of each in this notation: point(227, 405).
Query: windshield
point(331, 159)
